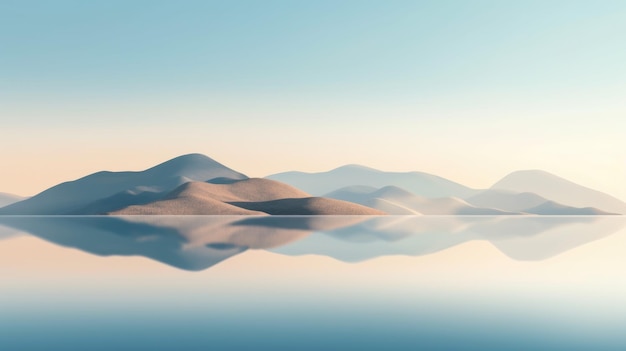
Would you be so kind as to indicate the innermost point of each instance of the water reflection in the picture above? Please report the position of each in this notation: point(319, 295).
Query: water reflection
point(199, 242)
point(8, 232)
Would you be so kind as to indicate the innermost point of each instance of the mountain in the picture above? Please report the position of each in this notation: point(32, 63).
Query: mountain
point(244, 197)
point(398, 201)
point(506, 200)
point(528, 203)
point(220, 189)
point(419, 183)
point(8, 199)
point(551, 208)
point(197, 184)
point(310, 206)
point(559, 190)
point(71, 197)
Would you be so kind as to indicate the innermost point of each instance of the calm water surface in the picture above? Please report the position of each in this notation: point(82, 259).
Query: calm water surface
point(312, 283)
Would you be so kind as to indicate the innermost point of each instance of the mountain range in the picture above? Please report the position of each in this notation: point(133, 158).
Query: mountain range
point(395, 200)
point(195, 184)
point(522, 192)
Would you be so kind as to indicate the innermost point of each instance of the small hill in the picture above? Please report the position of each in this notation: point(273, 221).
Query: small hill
point(245, 197)
point(186, 204)
point(528, 203)
point(418, 183)
point(8, 199)
point(559, 190)
point(506, 200)
point(309, 206)
point(254, 189)
point(71, 197)
point(398, 201)
point(551, 208)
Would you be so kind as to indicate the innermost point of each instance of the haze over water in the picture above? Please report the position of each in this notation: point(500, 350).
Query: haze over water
point(436, 283)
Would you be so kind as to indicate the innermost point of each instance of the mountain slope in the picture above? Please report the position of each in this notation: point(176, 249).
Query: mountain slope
point(245, 197)
point(310, 206)
point(398, 201)
point(551, 208)
point(559, 190)
point(422, 184)
point(506, 200)
point(71, 197)
point(253, 189)
point(528, 203)
point(8, 199)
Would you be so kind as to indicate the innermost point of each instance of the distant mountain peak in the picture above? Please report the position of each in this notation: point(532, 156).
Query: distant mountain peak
point(71, 196)
point(8, 199)
point(531, 173)
point(355, 167)
point(560, 190)
point(194, 166)
point(186, 161)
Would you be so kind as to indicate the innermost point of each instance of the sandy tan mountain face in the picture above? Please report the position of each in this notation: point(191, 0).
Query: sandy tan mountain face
point(244, 197)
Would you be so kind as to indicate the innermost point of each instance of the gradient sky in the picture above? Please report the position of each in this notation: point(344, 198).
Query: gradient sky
point(469, 90)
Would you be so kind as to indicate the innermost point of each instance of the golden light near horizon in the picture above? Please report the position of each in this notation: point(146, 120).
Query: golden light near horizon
point(406, 95)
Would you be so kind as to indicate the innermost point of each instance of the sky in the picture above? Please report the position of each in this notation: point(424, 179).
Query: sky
point(468, 90)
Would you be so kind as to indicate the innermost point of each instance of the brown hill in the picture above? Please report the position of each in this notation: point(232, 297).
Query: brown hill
point(309, 206)
point(245, 197)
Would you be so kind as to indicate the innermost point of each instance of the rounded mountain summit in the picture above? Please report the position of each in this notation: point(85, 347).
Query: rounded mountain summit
point(188, 184)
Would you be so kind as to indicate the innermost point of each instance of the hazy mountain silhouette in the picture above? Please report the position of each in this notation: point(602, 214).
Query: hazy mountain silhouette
point(419, 183)
point(70, 197)
point(559, 190)
point(552, 208)
point(398, 201)
point(8, 199)
point(528, 203)
point(506, 200)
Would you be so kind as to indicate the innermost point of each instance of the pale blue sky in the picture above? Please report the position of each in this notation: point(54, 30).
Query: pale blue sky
point(470, 90)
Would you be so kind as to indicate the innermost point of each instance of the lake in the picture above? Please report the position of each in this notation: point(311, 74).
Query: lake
point(313, 283)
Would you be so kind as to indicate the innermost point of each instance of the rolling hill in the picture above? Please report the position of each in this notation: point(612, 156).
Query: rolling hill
point(529, 203)
point(71, 197)
point(245, 197)
point(398, 201)
point(8, 199)
point(559, 190)
point(419, 183)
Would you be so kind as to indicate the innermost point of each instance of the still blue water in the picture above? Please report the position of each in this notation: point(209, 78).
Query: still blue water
point(312, 283)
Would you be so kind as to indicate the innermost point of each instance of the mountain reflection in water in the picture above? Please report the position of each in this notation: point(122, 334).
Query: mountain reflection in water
point(199, 242)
